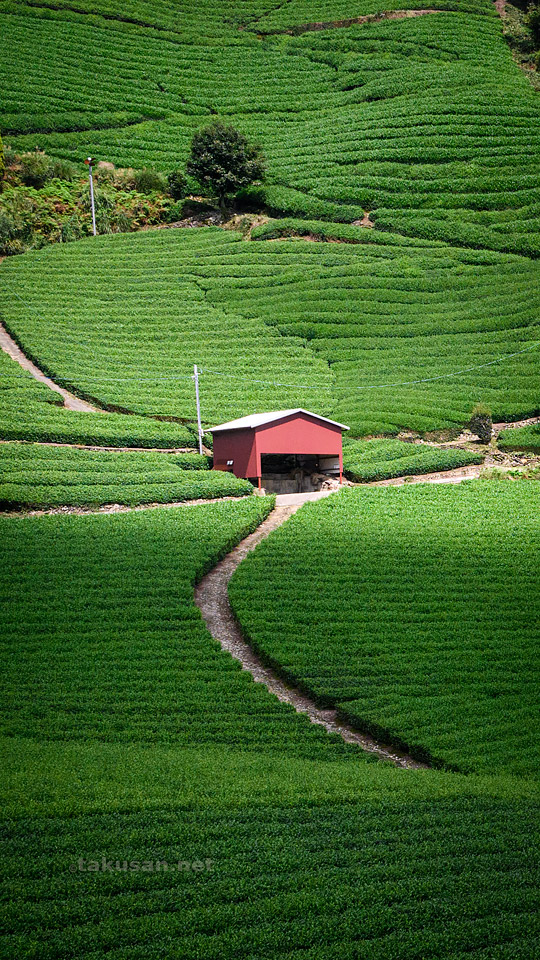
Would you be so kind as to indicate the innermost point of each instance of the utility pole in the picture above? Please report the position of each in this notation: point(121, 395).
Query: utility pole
point(89, 163)
point(196, 379)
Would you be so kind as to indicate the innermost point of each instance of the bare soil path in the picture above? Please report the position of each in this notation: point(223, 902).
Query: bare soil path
point(72, 402)
point(111, 508)
point(211, 597)
point(444, 476)
point(497, 427)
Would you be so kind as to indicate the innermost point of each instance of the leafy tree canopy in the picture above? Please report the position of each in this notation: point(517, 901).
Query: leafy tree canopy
point(222, 160)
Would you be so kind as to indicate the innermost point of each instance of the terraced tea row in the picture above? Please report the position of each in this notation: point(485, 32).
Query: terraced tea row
point(31, 411)
point(405, 608)
point(102, 642)
point(365, 460)
point(45, 476)
point(394, 876)
point(521, 438)
point(379, 336)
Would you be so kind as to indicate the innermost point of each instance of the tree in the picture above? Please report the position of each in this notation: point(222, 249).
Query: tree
point(481, 423)
point(177, 185)
point(532, 20)
point(222, 159)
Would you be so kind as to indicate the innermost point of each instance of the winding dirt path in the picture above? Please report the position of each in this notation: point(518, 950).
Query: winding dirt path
point(212, 600)
point(72, 402)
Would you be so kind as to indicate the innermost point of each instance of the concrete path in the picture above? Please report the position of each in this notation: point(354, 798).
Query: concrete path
point(297, 499)
point(72, 402)
point(211, 596)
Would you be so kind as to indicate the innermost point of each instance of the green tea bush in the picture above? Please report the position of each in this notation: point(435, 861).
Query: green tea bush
point(47, 476)
point(380, 335)
point(29, 410)
point(520, 438)
point(368, 460)
point(130, 592)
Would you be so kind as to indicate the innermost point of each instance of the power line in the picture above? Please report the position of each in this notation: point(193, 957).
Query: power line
point(457, 373)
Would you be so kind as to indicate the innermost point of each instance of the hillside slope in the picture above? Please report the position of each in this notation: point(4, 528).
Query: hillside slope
point(424, 121)
point(351, 331)
point(420, 120)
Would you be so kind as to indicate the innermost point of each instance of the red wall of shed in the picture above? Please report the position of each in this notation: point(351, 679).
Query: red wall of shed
point(238, 446)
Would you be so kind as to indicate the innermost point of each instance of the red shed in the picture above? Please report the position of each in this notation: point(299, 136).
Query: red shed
point(246, 445)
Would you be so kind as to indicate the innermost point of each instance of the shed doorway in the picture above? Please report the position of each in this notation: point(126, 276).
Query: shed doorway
point(297, 472)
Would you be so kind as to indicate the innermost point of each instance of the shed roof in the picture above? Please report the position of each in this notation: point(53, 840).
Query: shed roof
point(260, 419)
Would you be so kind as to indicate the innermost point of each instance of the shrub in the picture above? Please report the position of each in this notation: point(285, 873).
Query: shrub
point(2, 162)
point(62, 170)
point(149, 181)
point(532, 21)
point(222, 159)
point(177, 184)
point(481, 423)
point(34, 168)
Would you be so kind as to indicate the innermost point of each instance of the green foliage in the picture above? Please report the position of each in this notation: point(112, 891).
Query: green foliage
point(143, 361)
point(34, 169)
point(426, 119)
point(2, 162)
point(149, 181)
point(399, 333)
point(46, 476)
point(223, 160)
point(177, 184)
point(57, 208)
point(367, 460)
point(404, 608)
point(520, 438)
point(481, 422)
point(532, 21)
point(114, 595)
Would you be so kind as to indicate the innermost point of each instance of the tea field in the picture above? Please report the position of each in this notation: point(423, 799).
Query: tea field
point(415, 611)
point(368, 460)
point(158, 803)
point(29, 410)
point(402, 117)
point(378, 336)
point(34, 475)
point(521, 438)
point(102, 642)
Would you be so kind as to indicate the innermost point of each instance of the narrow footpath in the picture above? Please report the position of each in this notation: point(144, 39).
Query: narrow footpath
point(211, 597)
point(8, 345)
